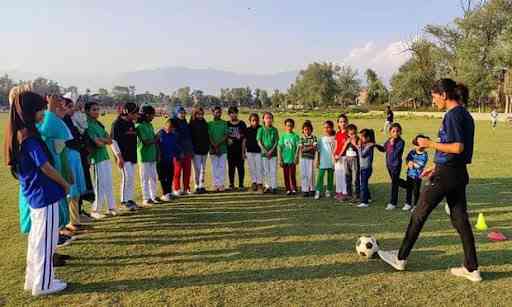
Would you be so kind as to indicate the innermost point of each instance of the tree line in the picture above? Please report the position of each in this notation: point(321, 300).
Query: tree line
point(475, 49)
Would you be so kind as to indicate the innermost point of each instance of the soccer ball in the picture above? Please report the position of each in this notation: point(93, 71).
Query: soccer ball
point(367, 246)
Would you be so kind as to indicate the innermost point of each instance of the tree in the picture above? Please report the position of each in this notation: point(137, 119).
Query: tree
point(315, 86)
point(348, 85)
point(377, 91)
point(6, 84)
point(121, 93)
point(103, 92)
point(278, 100)
point(184, 96)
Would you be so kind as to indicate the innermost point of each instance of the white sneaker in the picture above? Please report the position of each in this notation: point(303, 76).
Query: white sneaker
point(406, 207)
point(363, 205)
point(167, 197)
point(113, 212)
point(391, 258)
point(317, 195)
point(463, 272)
point(97, 215)
point(57, 287)
point(390, 207)
point(176, 193)
point(447, 209)
point(327, 194)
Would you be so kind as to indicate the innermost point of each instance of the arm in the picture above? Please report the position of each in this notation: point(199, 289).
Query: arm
point(49, 171)
point(451, 148)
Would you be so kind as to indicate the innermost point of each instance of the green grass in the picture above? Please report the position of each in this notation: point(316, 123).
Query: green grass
point(253, 250)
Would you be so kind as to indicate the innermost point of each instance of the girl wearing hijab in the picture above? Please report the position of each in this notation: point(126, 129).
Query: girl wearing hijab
point(74, 146)
point(42, 186)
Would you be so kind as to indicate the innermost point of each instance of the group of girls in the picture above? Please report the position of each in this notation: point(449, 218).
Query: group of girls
point(52, 143)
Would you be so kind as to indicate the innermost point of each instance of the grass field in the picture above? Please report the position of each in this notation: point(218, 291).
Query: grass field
point(252, 250)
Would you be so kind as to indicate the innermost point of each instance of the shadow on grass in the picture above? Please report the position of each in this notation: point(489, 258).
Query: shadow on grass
point(248, 216)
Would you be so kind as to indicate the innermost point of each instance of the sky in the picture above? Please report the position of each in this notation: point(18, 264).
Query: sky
point(264, 36)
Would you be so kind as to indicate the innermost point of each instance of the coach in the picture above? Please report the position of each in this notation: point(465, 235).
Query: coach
point(448, 178)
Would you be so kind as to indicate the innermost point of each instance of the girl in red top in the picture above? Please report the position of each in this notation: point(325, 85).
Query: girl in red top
point(339, 159)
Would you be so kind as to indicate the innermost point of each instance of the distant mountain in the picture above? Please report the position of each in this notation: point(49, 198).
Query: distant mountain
point(167, 79)
point(209, 80)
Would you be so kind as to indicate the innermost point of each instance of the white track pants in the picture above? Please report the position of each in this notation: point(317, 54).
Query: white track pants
point(254, 162)
point(42, 242)
point(127, 181)
point(103, 186)
point(219, 170)
point(270, 172)
point(307, 175)
point(340, 174)
point(148, 178)
point(199, 170)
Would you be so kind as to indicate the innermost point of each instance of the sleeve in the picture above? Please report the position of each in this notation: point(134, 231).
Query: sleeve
point(258, 135)
point(409, 156)
point(142, 133)
point(36, 153)
point(114, 131)
point(455, 128)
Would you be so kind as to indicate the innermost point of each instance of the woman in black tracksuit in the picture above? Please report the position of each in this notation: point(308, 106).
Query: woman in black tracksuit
point(447, 179)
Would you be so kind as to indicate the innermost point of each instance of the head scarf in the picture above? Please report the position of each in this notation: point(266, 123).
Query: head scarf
point(22, 125)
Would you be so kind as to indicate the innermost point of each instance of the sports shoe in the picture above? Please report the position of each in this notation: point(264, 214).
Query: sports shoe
point(254, 187)
point(148, 203)
point(127, 206)
point(97, 215)
point(56, 287)
point(390, 207)
point(463, 272)
point(362, 205)
point(317, 195)
point(294, 192)
point(113, 212)
point(133, 204)
point(176, 193)
point(391, 258)
point(64, 241)
point(188, 192)
point(157, 200)
point(339, 197)
point(241, 189)
point(288, 193)
point(328, 194)
point(406, 207)
point(167, 197)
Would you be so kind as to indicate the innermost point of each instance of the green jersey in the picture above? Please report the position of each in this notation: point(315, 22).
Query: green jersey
point(218, 131)
point(145, 132)
point(268, 137)
point(95, 130)
point(288, 145)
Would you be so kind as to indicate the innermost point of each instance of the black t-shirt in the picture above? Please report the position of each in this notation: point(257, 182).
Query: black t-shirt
point(251, 143)
point(457, 127)
point(200, 137)
point(236, 135)
point(123, 132)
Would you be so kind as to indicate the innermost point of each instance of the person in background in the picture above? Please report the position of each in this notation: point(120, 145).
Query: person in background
point(325, 162)
point(416, 161)
point(236, 149)
point(168, 150)
point(103, 183)
point(288, 149)
point(75, 162)
point(218, 132)
point(494, 118)
point(308, 148)
point(339, 159)
point(147, 155)
point(43, 187)
point(390, 117)
point(182, 163)
point(124, 147)
point(268, 138)
point(201, 144)
point(253, 153)
point(366, 149)
point(394, 149)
